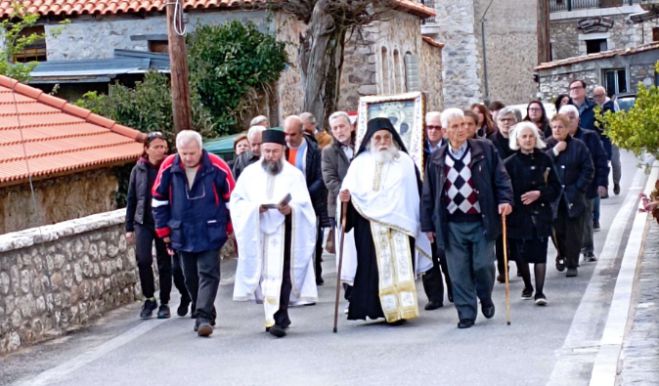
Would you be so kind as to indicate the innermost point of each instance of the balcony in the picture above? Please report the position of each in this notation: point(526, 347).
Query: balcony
point(571, 5)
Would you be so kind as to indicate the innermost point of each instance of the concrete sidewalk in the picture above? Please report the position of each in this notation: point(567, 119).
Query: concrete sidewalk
point(640, 354)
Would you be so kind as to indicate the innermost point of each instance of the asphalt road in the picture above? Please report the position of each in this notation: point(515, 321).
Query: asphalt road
point(120, 349)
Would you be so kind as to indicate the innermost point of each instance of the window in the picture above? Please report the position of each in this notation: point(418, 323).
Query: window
point(158, 46)
point(595, 45)
point(655, 34)
point(398, 78)
point(411, 72)
point(385, 71)
point(36, 50)
point(615, 81)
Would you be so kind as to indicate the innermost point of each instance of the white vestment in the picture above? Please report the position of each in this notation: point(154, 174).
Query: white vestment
point(387, 195)
point(260, 237)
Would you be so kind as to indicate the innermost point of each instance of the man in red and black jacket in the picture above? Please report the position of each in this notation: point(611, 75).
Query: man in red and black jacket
point(190, 199)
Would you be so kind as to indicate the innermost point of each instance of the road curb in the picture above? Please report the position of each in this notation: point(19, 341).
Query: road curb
point(608, 359)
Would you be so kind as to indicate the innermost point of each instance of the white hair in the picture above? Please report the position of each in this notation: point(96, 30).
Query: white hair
point(339, 114)
point(450, 114)
point(569, 109)
point(184, 137)
point(258, 120)
point(517, 131)
point(256, 129)
point(508, 110)
point(308, 117)
point(433, 114)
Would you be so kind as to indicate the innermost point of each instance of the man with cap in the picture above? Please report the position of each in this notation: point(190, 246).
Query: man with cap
point(381, 188)
point(275, 226)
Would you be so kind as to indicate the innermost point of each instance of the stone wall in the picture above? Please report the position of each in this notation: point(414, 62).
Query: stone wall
point(461, 56)
point(430, 75)
point(58, 199)
point(290, 92)
point(511, 45)
point(61, 277)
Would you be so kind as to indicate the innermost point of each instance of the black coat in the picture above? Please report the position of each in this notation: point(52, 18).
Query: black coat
point(315, 184)
point(334, 166)
point(530, 172)
point(599, 157)
point(502, 144)
point(575, 171)
point(138, 199)
point(491, 182)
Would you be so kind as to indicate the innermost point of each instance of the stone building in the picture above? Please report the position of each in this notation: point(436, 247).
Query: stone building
point(68, 154)
point(490, 49)
point(389, 56)
point(620, 71)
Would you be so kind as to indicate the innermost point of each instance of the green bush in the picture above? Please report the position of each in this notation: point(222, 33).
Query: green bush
point(229, 62)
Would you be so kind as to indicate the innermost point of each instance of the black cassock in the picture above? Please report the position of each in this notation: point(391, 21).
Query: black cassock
point(364, 295)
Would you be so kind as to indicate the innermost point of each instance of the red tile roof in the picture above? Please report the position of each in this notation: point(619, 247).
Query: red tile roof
point(113, 7)
point(598, 55)
point(46, 136)
point(433, 42)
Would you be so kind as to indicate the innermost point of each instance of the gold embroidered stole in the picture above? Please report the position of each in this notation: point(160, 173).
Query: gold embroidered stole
point(397, 289)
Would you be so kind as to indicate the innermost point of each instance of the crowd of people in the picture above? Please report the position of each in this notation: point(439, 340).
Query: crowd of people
point(487, 168)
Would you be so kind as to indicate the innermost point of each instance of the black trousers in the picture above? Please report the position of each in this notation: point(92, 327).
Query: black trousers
point(569, 234)
point(318, 255)
point(144, 238)
point(281, 316)
point(202, 279)
point(432, 279)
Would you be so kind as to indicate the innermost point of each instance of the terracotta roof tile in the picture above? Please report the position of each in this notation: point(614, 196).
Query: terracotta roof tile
point(112, 7)
point(598, 55)
point(45, 136)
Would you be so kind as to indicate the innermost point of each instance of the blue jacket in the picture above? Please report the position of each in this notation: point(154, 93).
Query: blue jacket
point(492, 185)
point(196, 219)
point(587, 114)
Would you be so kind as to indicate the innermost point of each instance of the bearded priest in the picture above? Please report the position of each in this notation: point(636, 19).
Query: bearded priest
point(382, 189)
point(275, 227)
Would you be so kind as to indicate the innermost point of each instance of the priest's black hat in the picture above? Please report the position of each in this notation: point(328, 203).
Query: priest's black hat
point(377, 124)
point(273, 136)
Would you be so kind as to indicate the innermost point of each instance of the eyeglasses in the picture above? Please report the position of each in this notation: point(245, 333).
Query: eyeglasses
point(433, 127)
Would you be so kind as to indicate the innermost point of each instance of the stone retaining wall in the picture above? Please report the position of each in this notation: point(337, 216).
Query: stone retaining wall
point(61, 277)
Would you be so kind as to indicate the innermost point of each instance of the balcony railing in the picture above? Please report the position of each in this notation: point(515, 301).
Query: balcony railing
point(571, 5)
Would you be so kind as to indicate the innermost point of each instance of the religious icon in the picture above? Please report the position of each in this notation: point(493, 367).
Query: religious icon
point(406, 113)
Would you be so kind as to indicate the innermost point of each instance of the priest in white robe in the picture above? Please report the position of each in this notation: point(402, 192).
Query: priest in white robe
point(275, 227)
point(382, 188)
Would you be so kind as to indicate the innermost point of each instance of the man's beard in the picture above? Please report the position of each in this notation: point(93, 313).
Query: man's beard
point(272, 167)
point(385, 155)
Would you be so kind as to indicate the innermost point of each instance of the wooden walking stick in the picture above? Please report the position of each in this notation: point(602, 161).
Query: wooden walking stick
point(344, 207)
point(505, 266)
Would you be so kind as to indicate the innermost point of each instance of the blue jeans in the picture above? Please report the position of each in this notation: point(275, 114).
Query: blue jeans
point(470, 257)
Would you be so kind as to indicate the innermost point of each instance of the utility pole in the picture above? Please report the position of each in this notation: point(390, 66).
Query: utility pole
point(178, 65)
point(544, 48)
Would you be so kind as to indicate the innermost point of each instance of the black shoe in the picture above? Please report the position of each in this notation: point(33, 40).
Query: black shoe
point(163, 312)
point(320, 281)
point(433, 305)
point(487, 310)
point(596, 226)
point(560, 263)
point(466, 323)
point(399, 322)
point(589, 257)
point(183, 307)
point(148, 308)
point(540, 300)
point(204, 329)
point(277, 331)
point(616, 189)
point(571, 272)
point(527, 293)
point(500, 278)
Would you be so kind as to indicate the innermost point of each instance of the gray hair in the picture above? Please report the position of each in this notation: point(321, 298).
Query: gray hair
point(254, 130)
point(339, 114)
point(184, 137)
point(450, 114)
point(517, 130)
point(433, 114)
point(508, 110)
point(308, 117)
point(258, 121)
point(565, 109)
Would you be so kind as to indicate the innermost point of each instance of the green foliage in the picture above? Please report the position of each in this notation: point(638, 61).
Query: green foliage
point(637, 130)
point(15, 43)
point(227, 63)
point(147, 107)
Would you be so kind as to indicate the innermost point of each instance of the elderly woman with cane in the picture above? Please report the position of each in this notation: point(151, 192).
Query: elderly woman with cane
point(535, 187)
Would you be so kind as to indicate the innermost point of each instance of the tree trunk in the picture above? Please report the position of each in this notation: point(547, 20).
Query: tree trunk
point(544, 47)
point(182, 113)
point(321, 60)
